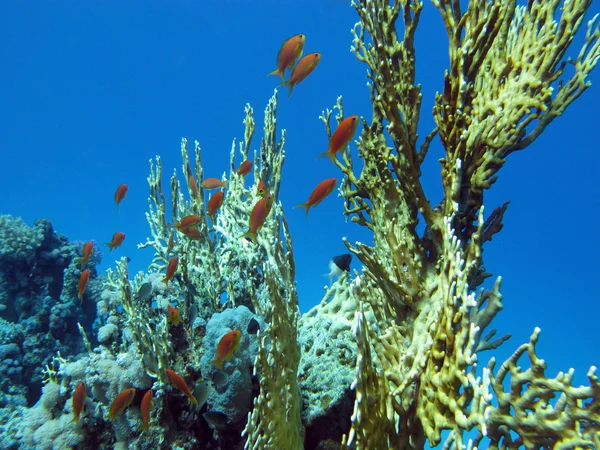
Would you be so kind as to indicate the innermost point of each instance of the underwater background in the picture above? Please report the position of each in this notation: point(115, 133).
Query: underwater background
point(90, 91)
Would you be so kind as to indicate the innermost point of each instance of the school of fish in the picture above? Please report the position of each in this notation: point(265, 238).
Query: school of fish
point(290, 60)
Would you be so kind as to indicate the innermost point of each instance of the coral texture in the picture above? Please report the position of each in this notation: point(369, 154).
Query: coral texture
point(390, 357)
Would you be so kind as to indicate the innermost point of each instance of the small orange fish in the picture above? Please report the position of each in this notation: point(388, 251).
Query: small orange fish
point(181, 385)
point(228, 344)
point(262, 188)
point(259, 214)
point(171, 269)
point(289, 52)
point(171, 242)
point(116, 241)
point(87, 252)
point(121, 403)
point(193, 186)
point(214, 204)
point(187, 222)
point(121, 193)
point(245, 168)
point(213, 183)
point(173, 316)
point(83, 282)
point(341, 137)
point(303, 69)
point(191, 233)
point(145, 408)
point(323, 189)
point(79, 397)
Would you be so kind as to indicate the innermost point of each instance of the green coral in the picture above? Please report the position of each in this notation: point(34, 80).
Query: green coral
point(418, 320)
point(417, 361)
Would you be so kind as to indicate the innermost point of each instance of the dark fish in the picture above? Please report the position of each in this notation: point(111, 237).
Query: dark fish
point(253, 326)
point(220, 378)
point(144, 291)
point(343, 261)
point(338, 265)
point(215, 419)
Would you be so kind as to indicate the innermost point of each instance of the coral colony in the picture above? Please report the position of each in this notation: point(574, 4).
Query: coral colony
point(392, 357)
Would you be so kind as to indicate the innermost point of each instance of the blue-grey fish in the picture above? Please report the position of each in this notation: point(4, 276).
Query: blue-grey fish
point(215, 419)
point(145, 291)
point(220, 378)
point(201, 393)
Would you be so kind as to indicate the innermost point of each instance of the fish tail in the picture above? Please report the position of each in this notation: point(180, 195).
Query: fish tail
point(110, 245)
point(277, 71)
point(218, 363)
point(329, 155)
point(306, 207)
point(291, 88)
point(250, 234)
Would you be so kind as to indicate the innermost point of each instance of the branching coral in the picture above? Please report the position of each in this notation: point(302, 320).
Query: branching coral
point(502, 89)
point(275, 420)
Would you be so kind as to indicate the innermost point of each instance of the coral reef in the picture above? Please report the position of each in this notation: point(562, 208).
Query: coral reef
point(417, 364)
point(390, 357)
point(39, 308)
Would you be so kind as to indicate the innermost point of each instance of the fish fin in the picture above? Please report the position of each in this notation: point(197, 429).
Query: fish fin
point(193, 400)
point(250, 234)
point(291, 88)
point(109, 244)
point(278, 72)
point(329, 155)
point(218, 363)
point(306, 207)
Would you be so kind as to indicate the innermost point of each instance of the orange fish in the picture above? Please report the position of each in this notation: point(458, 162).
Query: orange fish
point(187, 222)
point(244, 168)
point(79, 397)
point(341, 137)
point(116, 241)
point(145, 408)
point(214, 204)
point(87, 252)
point(262, 188)
point(323, 189)
point(289, 52)
point(171, 242)
point(228, 344)
point(121, 403)
point(213, 183)
point(173, 316)
point(193, 186)
point(303, 69)
point(181, 385)
point(259, 214)
point(121, 193)
point(83, 282)
point(171, 269)
point(191, 232)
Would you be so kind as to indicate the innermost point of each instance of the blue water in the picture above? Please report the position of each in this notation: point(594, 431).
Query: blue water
point(90, 91)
